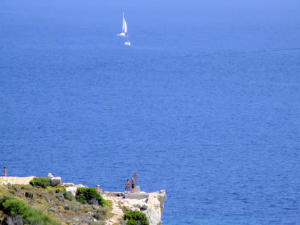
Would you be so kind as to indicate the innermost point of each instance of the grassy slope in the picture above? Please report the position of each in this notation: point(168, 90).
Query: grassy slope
point(53, 203)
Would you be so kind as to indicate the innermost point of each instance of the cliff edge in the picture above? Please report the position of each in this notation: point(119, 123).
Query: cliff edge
point(58, 200)
point(152, 204)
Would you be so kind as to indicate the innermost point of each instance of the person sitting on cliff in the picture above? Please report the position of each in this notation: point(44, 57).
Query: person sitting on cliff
point(100, 190)
point(127, 186)
point(133, 184)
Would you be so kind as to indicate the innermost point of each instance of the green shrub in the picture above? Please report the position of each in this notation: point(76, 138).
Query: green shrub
point(12, 206)
point(15, 208)
point(135, 218)
point(88, 195)
point(68, 195)
point(131, 222)
point(40, 182)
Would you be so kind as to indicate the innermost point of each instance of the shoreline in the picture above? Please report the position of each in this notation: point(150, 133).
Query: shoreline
point(152, 204)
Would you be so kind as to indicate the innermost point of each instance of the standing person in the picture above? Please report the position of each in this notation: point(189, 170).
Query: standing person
point(5, 171)
point(132, 184)
point(127, 186)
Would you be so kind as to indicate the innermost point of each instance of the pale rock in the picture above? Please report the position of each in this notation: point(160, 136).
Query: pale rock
point(55, 181)
point(152, 204)
point(73, 189)
point(50, 175)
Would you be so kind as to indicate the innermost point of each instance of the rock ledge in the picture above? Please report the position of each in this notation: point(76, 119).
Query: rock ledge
point(152, 204)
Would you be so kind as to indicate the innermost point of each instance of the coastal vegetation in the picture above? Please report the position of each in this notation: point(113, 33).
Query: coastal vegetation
point(19, 212)
point(42, 182)
point(89, 195)
point(39, 202)
point(42, 204)
point(135, 218)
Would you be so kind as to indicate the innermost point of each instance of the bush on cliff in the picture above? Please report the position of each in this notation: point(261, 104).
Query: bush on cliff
point(40, 182)
point(16, 210)
point(89, 195)
point(135, 218)
point(68, 195)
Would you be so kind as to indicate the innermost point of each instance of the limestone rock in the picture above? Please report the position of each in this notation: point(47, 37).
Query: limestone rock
point(55, 181)
point(73, 189)
point(152, 204)
point(140, 195)
point(50, 175)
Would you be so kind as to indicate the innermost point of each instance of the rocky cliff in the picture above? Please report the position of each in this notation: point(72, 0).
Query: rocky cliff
point(151, 204)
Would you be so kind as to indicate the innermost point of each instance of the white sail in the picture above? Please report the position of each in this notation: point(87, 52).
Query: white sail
point(124, 32)
point(124, 28)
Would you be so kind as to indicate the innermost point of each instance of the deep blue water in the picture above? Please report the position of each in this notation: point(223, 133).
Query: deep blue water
point(205, 104)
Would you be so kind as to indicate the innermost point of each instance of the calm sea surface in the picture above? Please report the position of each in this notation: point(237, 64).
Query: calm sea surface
point(205, 104)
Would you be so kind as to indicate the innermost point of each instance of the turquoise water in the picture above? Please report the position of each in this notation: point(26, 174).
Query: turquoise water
point(205, 104)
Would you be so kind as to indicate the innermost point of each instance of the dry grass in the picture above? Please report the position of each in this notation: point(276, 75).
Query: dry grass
point(54, 202)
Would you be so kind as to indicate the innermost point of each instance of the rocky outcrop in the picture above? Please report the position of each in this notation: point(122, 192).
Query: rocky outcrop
point(152, 204)
point(72, 188)
point(54, 180)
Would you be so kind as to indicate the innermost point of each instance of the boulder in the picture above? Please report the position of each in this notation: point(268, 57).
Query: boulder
point(50, 175)
point(55, 181)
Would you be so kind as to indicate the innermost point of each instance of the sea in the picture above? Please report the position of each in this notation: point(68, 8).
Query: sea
point(205, 103)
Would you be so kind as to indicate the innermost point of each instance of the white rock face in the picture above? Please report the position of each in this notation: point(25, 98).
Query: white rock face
point(72, 188)
point(50, 175)
point(155, 207)
point(151, 204)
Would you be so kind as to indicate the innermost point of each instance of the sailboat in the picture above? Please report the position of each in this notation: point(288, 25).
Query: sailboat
point(124, 28)
point(124, 32)
point(127, 43)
